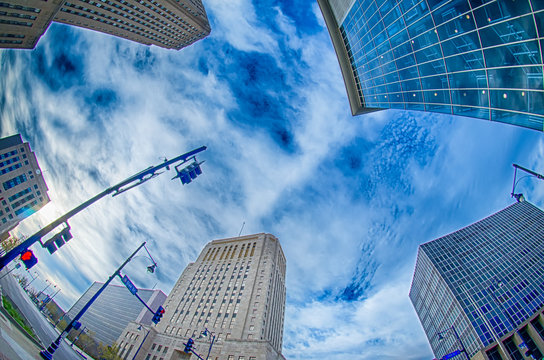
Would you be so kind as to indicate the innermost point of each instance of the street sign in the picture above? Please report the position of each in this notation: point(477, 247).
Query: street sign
point(130, 286)
point(450, 355)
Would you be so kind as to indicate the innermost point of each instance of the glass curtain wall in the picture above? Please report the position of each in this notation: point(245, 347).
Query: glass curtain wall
point(476, 58)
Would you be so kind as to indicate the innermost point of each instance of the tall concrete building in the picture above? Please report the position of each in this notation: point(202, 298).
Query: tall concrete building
point(487, 281)
point(236, 290)
point(114, 309)
point(473, 58)
point(171, 24)
point(23, 190)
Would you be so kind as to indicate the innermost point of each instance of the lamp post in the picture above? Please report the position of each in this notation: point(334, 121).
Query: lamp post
point(205, 333)
point(185, 174)
point(142, 343)
point(462, 349)
point(33, 278)
point(48, 299)
point(48, 353)
point(47, 281)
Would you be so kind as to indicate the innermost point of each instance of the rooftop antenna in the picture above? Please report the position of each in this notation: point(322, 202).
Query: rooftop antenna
point(240, 233)
point(519, 197)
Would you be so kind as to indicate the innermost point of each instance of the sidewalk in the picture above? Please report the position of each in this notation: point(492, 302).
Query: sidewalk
point(14, 345)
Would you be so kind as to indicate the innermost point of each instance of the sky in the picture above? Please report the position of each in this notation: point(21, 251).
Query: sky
point(350, 198)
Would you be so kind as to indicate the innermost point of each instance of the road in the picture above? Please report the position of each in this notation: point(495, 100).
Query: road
point(43, 328)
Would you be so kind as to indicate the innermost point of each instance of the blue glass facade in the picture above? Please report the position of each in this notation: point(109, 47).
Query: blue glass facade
point(114, 309)
point(476, 58)
point(481, 278)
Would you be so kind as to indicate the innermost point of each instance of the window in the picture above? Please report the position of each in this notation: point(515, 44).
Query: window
point(231, 357)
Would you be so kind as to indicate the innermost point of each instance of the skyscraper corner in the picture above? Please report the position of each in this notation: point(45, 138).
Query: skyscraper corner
point(171, 24)
point(485, 282)
point(23, 190)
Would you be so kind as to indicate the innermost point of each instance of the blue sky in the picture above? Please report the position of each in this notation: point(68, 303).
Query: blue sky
point(350, 198)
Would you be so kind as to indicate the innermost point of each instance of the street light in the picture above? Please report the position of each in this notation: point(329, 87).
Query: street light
point(33, 278)
point(142, 343)
point(48, 353)
point(46, 281)
point(205, 333)
point(456, 352)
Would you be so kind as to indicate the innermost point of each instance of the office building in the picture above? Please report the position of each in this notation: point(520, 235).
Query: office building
point(23, 190)
point(166, 23)
point(236, 290)
point(474, 58)
point(485, 280)
point(114, 309)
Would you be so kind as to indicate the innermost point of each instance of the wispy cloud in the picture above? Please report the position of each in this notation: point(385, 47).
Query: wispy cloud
point(349, 198)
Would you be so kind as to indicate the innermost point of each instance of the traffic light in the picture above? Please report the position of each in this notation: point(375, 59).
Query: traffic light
point(189, 173)
point(58, 240)
point(189, 345)
point(28, 258)
point(158, 315)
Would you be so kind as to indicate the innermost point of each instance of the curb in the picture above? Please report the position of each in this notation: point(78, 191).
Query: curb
point(19, 327)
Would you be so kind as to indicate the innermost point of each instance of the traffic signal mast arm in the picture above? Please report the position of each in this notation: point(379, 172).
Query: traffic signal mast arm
point(132, 181)
point(138, 297)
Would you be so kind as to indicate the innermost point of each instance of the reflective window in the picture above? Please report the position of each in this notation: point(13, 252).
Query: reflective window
point(435, 82)
point(509, 31)
point(453, 10)
point(516, 77)
point(525, 53)
point(468, 79)
point(461, 44)
point(432, 68)
point(470, 97)
point(500, 10)
point(468, 61)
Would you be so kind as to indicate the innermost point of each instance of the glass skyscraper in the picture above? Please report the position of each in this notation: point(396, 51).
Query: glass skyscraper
point(476, 58)
point(486, 280)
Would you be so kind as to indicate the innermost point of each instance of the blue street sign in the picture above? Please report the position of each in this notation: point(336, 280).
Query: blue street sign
point(450, 355)
point(130, 286)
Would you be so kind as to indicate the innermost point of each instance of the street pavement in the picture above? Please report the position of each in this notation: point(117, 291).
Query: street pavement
point(41, 326)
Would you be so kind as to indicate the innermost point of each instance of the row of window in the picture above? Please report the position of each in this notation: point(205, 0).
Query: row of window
point(144, 33)
point(8, 154)
point(14, 182)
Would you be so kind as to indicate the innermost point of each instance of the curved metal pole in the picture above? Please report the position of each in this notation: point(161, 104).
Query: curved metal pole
point(139, 347)
point(137, 179)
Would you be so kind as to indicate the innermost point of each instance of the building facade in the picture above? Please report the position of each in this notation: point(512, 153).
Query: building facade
point(171, 24)
point(475, 58)
point(22, 188)
point(114, 309)
point(236, 290)
point(485, 280)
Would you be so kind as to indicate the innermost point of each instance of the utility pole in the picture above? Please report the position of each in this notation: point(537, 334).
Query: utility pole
point(184, 174)
point(48, 353)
